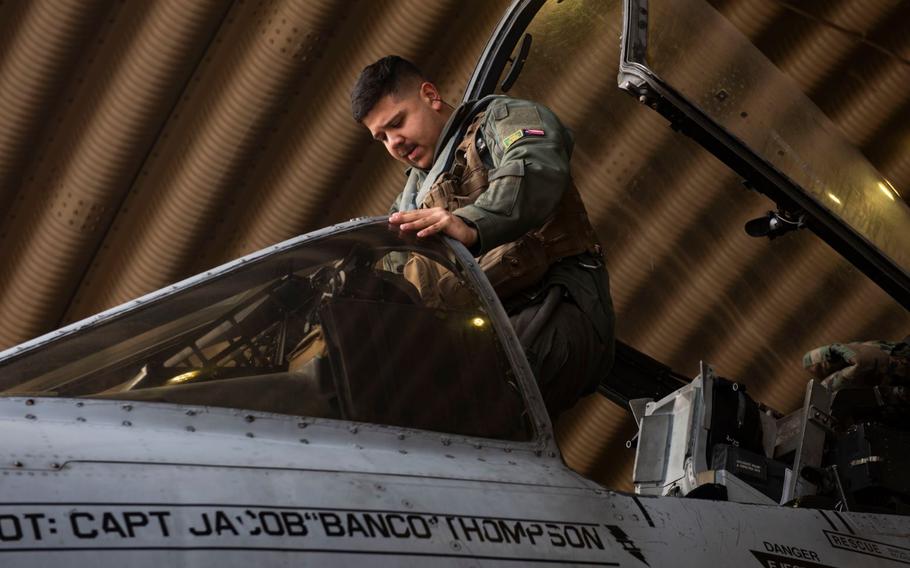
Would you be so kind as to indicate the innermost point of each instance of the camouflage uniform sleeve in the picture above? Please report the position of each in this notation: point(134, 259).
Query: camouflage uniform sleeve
point(530, 151)
point(859, 364)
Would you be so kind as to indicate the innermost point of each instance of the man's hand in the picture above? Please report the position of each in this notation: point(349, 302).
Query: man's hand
point(434, 220)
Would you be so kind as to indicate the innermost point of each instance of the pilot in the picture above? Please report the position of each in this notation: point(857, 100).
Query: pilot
point(508, 196)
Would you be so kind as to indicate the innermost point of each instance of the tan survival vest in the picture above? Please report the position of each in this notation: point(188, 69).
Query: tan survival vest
point(519, 264)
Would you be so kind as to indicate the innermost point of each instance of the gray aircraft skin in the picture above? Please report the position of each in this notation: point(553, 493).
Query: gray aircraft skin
point(276, 411)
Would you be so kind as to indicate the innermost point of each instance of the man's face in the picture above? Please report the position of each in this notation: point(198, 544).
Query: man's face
point(409, 123)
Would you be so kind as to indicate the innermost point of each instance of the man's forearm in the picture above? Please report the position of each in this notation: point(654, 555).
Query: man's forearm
point(427, 222)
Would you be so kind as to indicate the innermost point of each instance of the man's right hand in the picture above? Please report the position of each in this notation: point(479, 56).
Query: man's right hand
point(434, 220)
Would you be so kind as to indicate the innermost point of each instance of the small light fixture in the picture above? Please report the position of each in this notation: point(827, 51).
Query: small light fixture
point(184, 377)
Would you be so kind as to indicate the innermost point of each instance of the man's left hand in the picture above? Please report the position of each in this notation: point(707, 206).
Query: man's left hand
point(435, 220)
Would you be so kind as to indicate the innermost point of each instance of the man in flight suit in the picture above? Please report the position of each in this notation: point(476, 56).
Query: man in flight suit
point(508, 196)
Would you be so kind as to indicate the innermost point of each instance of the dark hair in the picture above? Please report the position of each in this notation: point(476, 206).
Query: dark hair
point(379, 79)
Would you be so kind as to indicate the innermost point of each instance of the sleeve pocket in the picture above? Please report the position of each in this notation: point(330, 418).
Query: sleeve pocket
point(505, 183)
point(510, 168)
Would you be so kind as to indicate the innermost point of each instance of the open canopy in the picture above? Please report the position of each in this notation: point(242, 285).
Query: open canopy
point(724, 93)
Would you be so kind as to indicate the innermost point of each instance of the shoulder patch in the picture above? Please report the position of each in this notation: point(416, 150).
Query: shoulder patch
point(520, 116)
point(521, 133)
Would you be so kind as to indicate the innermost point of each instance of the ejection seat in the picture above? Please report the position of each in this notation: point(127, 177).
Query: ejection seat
point(709, 439)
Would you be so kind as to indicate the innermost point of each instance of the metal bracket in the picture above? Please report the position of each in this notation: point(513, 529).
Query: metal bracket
point(821, 418)
point(815, 421)
point(637, 406)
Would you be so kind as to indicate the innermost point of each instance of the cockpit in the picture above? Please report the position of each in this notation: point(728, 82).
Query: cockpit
point(328, 328)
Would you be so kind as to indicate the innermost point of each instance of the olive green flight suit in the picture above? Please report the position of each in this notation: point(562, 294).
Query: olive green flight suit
point(527, 152)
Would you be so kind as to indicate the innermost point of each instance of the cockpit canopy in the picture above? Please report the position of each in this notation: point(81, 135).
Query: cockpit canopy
point(362, 323)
